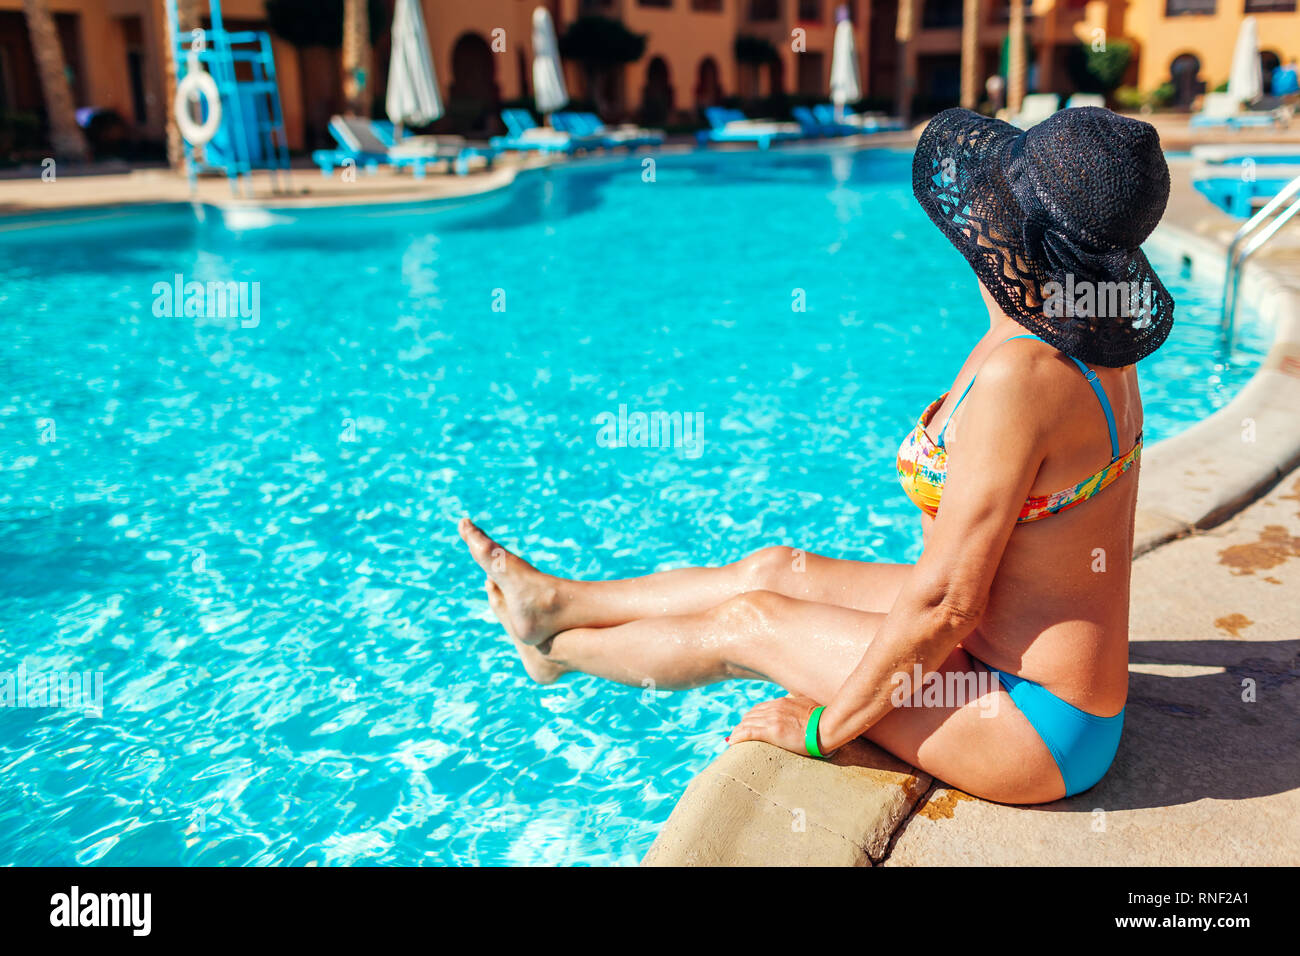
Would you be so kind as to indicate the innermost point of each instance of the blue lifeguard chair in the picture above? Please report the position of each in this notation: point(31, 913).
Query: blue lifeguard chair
point(245, 129)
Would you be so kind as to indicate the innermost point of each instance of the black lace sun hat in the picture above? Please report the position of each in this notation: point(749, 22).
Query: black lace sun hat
point(1051, 220)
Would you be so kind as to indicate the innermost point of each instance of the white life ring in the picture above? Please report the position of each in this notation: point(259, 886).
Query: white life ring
point(194, 84)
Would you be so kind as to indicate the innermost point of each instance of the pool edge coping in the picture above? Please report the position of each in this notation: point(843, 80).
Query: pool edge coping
point(724, 819)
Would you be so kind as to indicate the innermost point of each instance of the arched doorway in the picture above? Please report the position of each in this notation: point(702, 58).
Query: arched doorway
point(472, 99)
point(657, 97)
point(1268, 62)
point(776, 78)
point(708, 87)
point(1185, 71)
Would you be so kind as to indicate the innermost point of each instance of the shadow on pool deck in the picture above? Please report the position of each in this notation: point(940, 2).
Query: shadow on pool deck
point(1184, 723)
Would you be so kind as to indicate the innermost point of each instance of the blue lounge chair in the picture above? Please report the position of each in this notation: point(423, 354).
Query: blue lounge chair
point(1225, 184)
point(525, 136)
point(731, 126)
point(825, 114)
point(628, 134)
point(590, 125)
point(814, 127)
point(370, 144)
point(582, 133)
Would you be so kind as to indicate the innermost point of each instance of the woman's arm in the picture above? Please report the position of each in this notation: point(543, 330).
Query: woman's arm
point(1004, 425)
point(990, 473)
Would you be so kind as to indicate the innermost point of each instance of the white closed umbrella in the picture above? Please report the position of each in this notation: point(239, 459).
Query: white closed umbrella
point(845, 86)
point(549, 92)
point(413, 98)
point(1246, 81)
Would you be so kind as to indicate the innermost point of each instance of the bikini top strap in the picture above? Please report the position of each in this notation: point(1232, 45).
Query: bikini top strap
point(939, 441)
point(1091, 377)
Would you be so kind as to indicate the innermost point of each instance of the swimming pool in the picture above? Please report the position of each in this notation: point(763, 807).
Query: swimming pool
point(245, 524)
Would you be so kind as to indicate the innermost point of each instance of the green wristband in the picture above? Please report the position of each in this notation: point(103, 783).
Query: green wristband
point(810, 735)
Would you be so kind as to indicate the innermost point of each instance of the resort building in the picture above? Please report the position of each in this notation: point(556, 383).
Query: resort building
point(696, 53)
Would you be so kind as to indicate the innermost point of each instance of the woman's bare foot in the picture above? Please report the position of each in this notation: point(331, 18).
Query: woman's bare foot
point(539, 667)
point(531, 599)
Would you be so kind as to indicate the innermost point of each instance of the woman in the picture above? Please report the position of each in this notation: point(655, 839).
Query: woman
point(1023, 584)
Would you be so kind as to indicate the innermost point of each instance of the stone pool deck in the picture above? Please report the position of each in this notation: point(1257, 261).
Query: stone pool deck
point(1208, 771)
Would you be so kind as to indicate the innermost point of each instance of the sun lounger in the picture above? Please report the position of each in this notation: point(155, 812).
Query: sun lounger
point(1223, 109)
point(1085, 99)
point(731, 126)
point(370, 144)
point(1235, 193)
point(1035, 108)
point(589, 124)
point(524, 135)
point(814, 127)
point(1257, 152)
point(825, 114)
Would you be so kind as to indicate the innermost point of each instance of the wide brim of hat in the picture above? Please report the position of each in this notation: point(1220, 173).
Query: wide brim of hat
point(959, 176)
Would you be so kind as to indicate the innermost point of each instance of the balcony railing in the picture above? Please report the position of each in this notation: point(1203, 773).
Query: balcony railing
point(1270, 6)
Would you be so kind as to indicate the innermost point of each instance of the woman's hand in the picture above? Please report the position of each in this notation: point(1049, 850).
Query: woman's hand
point(781, 722)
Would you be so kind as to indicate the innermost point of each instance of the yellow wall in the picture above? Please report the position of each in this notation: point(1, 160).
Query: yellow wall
point(682, 38)
point(1210, 38)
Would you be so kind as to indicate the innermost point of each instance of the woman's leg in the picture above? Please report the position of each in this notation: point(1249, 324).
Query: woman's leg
point(542, 605)
point(983, 745)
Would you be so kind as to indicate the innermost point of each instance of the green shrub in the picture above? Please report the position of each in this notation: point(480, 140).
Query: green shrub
point(1098, 71)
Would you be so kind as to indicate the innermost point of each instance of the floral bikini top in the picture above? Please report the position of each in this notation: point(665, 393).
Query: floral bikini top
point(923, 462)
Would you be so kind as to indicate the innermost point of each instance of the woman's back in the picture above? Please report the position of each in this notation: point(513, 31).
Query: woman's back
point(1058, 609)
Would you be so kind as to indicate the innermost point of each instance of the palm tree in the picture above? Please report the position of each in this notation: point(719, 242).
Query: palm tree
point(187, 13)
point(970, 29)
point(906, 70)
point(356, 57)
point(1016, 57)
point(66, 138)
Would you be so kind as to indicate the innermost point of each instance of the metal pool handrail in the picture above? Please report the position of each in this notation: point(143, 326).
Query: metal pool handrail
point(1231, 280)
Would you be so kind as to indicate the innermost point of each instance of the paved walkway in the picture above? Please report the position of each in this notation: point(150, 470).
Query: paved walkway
point(305, 186)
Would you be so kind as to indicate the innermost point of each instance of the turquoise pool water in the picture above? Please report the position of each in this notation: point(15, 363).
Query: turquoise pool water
point(248, 531)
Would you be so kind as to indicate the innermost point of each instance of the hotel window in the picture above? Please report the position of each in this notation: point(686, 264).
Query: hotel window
point(1270, 6)
point(596, 6)
point(1181, 8)
point(655, 3)
point(764, 10)
point(810, 11)
point(707, 6)
point(942, 13)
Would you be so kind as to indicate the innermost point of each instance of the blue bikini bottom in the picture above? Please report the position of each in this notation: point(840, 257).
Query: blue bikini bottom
point(1082, 744)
